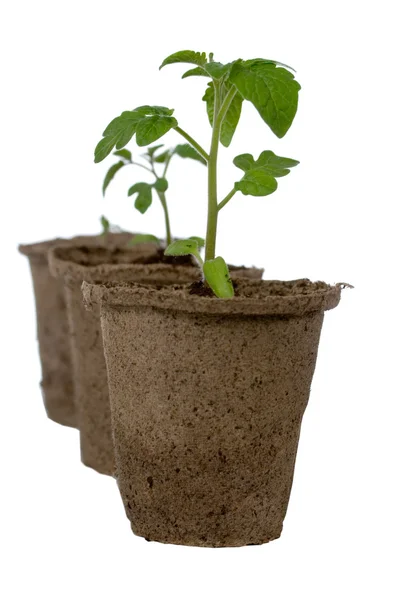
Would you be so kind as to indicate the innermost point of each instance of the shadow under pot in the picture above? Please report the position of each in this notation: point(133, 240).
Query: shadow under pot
point(207, 398)
point(52, 326)
point(78, 264)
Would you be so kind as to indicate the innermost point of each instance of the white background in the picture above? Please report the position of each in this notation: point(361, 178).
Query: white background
point(67, 69)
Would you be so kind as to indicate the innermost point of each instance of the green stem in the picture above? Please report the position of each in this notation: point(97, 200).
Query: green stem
point(167, 165)
point(212, 217)
point(131, 162)
point(163, 201)
point(152, 170)
point(193, 142)
point(226, 199)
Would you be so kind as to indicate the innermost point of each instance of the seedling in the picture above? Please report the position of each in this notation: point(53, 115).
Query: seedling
point(155, 155)
point(271, 87)
point(105, 225)
point(108, 227)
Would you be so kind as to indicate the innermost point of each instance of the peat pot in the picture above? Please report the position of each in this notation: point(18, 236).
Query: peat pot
point(207, 398)
point(98, 264)
point(52, 326)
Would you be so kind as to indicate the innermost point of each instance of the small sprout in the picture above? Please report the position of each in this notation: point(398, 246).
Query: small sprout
point(105, 223)
point(107, 227)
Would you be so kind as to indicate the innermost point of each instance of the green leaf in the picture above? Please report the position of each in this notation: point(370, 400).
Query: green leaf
point(110, 174)
point(187, 151)
point(144, 238)
point(200, 241)
point(232, 116)
point(153, 149)
point(182, 248)
point(161, 184)
point(162, 158)
point(151, 121)
point(209, 100)
point(217, 275)
point(231, 120)
point(196, 72)
point(256, 182)
point(185, 247)
point(260, 175)
point(144, 196)
point(125, 119)
point(217, 70)
point(271, 89)
point(123, 128)
point(278, 166)
point(124, 154)
point(104, 148)
point(149, 111)
point(105, 223)
point(152, 128)
point(126, 135)
point(185, 56)
point(117, 133)
point(272, 62)
point(244, 162)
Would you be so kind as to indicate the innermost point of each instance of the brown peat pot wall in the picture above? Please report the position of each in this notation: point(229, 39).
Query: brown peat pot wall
point(207, 398)
point(78, 264)
point(52, 327)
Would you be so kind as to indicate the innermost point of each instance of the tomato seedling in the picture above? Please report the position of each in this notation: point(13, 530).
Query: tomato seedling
point(273, 90)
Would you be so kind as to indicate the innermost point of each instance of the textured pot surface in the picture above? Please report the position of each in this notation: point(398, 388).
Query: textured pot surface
point(207, 398)
point(76, 264)
point(52, 328)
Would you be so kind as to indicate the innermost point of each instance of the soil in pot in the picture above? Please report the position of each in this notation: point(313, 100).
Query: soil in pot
point(207, 399)
point(78, 264)
point(52, 327)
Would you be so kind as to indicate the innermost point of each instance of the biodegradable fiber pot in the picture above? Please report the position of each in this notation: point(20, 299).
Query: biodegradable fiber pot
point(207, 398)
point(52, 326)
point(97, 264)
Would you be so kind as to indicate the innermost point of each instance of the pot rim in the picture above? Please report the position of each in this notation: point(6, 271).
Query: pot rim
point(255, 298)
point(147, 272)
point(40, 249)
